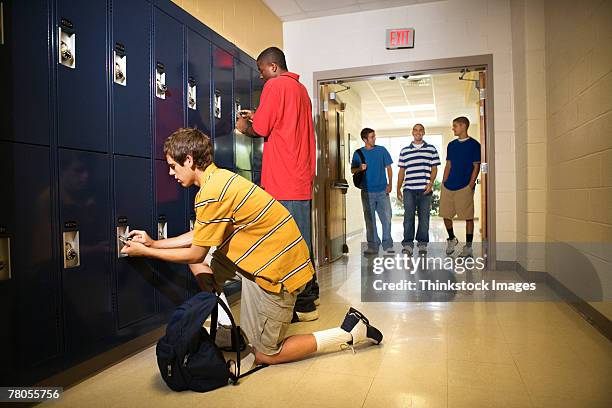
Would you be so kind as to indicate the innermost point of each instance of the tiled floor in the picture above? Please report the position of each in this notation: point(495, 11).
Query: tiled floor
point(461, 354)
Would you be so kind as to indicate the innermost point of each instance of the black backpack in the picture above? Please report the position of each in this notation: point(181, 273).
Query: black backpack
point(359, 177)
point(187, 355)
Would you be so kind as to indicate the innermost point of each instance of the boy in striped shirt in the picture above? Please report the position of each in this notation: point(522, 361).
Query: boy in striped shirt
point(418, 167)
point(256, 237)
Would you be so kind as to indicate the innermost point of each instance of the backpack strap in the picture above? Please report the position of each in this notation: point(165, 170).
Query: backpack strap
point(235, 340)
point(361, 156)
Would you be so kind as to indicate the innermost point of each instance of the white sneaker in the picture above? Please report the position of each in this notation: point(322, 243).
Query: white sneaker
point(466, 251)
point(407, 249)
point(422, 246)
point(307, 316)
point(360, 328)
point(450, 245)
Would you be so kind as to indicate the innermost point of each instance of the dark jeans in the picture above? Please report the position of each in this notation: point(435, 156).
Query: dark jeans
point(416, 200)
point(300, 211)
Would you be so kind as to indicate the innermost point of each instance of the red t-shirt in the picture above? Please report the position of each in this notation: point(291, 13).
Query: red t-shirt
point(285, 117)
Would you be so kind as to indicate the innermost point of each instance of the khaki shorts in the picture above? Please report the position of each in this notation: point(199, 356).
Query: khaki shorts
point(264, 316)
point(457, 202)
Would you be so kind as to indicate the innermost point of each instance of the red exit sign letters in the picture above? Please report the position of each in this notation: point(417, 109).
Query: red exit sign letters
point(400, 38)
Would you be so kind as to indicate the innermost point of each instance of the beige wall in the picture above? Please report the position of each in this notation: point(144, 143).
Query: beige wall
point(528, 55)
point(249, 24)
point(579, 114)
point(562, 65)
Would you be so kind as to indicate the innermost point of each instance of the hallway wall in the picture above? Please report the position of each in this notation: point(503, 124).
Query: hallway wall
point(579, 114)
point(249, 24)
point(528, 56)
point(443, 29)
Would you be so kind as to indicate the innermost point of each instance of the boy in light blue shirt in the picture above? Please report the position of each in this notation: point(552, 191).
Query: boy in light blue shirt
point(375, 190)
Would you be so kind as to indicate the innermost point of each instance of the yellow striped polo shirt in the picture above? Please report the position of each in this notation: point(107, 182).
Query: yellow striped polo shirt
point(252, 229)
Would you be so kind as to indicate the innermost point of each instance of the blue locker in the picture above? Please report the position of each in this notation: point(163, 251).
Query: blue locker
point(169, 82)
point(171, 220)
point(223, 110)
point(84, 199)
point(82, 76)
point(131, 48)
point(25, 58)
point(135, 277)
point(33, 286)
point(258, 142)
point(242, 100)
point(198, 77)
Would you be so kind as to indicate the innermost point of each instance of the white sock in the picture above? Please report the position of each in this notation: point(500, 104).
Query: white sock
point(331, 339)
point(223, 319)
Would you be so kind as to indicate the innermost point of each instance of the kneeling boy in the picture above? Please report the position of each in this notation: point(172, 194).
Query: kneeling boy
point(256, 237)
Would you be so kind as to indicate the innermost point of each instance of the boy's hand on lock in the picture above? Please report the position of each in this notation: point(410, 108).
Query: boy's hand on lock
point(141, 237)
point(132, 248)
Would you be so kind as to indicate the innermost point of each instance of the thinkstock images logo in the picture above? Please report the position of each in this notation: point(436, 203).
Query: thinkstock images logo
point(436, 275)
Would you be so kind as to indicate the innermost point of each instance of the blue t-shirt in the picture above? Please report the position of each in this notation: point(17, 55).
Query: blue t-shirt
point(462, 156)
point(377, 160)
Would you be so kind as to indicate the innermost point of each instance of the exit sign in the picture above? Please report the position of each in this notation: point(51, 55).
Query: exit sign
point(400, 38)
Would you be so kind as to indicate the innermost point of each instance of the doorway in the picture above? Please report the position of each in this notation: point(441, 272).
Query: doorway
point(346, 103)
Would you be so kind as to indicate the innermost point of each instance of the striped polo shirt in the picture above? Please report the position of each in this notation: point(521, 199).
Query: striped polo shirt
point(418, 161)
point(252, 229)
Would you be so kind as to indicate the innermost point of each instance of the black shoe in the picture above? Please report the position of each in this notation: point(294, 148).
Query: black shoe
point(359, 327)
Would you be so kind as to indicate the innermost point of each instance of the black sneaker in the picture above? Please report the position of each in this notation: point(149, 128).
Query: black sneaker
point(359, 327)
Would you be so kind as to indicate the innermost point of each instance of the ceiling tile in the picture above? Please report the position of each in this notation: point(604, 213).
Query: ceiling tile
point(319, 5)
point(283, 7)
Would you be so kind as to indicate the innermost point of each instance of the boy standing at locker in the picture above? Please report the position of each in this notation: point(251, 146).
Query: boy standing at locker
point(284, 119)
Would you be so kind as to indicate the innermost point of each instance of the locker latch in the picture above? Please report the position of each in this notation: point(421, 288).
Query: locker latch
point(5, 257)
point(67, 44)
point(191, 94)
point(122, 235)
point(120, 64)
point(162, 227)
point(70, 246)
point(217, 104)
point(237, 106)
point(160, 81)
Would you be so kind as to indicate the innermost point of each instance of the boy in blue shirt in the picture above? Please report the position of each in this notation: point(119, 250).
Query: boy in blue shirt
point(459, 183)
point(375, 190)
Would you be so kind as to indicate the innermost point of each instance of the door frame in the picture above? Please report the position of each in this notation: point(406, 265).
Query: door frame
point(384, 70)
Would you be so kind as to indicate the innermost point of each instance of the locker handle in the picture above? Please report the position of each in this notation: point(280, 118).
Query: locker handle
point(5, 258)
point(1, 23)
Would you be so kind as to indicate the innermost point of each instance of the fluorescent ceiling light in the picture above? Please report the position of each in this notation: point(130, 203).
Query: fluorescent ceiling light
point(410, 108)
point(404, 122)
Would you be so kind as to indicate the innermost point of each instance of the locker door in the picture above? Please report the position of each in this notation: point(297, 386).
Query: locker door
point(242, 100)
point(84, 244)
point(258, 142)
point(257, 178)
point(198, 75)
point(82, 80)
point(30, 295)
point(132, 77)
point(171, 221)
point(26, 62)
point(223, 111)
point(169, 82)
point(133, 209)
